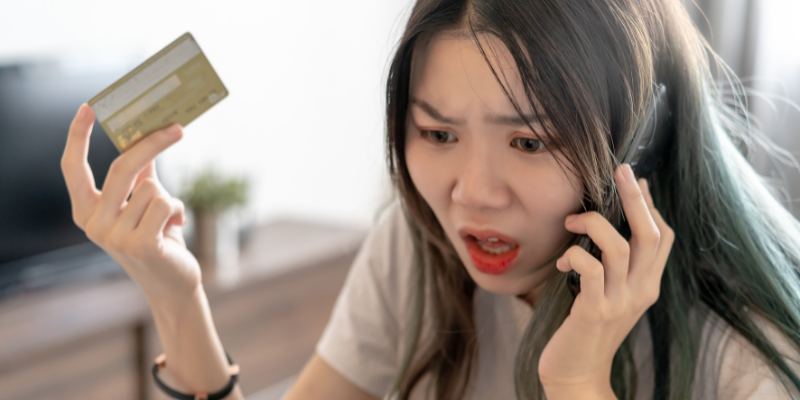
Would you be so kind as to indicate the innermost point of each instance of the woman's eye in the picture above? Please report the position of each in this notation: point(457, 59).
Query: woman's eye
point(440, 136)
point(528, 145)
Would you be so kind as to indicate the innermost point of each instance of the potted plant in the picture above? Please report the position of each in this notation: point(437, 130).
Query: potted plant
point(210, 196)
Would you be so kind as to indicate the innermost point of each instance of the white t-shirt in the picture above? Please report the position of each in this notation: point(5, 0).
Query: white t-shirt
point(365, 339)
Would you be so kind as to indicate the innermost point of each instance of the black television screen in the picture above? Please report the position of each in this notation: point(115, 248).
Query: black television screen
point(37, 104)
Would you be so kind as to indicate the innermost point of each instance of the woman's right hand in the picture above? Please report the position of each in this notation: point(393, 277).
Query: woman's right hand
point(143, 232)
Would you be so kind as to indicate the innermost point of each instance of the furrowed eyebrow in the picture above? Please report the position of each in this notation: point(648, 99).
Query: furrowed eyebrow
point(434, 113)
point(507, 120)
point(514, 120)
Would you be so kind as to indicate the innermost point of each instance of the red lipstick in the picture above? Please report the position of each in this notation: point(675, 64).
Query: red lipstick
point(491, 252)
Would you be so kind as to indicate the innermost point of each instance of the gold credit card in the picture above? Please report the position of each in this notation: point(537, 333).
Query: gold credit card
point(174, 86)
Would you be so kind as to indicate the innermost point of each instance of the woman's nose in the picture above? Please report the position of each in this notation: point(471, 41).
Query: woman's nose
point(480, 184)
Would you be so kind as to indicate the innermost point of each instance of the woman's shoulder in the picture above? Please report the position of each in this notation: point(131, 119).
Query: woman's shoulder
point(382, 271)
point(728, 366)
point(388, 249)
point(363, 339)
point(390, 235)
point(741, 370)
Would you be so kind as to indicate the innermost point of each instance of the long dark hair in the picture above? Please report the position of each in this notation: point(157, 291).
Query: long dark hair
point(591, 66)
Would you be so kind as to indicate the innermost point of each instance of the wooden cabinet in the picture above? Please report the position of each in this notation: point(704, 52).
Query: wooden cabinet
point(97, 341)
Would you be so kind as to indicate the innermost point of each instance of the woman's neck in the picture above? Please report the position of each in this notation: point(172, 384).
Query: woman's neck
point(532, 296)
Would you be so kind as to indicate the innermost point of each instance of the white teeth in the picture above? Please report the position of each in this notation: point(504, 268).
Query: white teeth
point(496, 250)
point(493, 239)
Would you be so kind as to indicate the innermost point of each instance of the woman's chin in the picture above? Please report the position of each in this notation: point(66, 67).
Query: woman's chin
point(512, 282)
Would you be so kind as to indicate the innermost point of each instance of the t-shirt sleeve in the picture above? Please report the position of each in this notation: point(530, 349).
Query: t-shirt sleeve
point(362, 339)
point(743, 371)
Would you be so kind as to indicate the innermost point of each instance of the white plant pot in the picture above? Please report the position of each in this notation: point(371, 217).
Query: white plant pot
point(216, 243)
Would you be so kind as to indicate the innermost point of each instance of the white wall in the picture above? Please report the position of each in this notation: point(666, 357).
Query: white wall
point(304, 118)
point(775, 91)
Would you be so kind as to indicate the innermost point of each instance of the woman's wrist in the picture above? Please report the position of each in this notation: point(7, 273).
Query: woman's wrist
point(170, 308)
point(161, 364)
point(190, 341)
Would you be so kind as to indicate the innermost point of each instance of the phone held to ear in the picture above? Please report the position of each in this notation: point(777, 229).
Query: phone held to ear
point(645, 153)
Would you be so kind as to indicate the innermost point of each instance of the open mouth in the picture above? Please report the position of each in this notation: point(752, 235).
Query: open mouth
point(491, 254)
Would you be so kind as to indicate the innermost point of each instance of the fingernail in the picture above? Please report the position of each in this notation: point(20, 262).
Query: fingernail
point(174, 129)
point(563, 265)
point(628, 172)
point(82, 111)
point(571, 218)
point(619, 174)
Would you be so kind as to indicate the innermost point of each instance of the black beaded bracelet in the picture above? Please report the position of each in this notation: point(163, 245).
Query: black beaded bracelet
point(161, 363)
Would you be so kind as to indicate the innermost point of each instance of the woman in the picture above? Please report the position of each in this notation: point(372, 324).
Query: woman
point(503, 122)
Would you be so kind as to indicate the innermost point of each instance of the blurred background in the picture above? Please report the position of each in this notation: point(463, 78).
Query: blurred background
point(299, 143)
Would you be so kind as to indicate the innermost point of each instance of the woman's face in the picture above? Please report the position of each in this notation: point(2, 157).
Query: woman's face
point(499, 195)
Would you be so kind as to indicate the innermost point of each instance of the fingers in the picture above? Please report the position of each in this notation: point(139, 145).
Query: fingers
point(142, 220)
point(161, 210)
point(125, 169)
point(645, 235)
point(591, 270)
point(616, 251)
point(627, 269)
point(129, 219)
point(75, 166)
point(148, 173)
point(664, 246)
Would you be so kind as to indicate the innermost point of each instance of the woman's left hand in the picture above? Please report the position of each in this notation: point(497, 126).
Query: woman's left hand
point(576, 363)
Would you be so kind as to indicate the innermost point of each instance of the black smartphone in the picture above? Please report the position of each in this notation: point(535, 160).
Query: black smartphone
point(645, 153)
